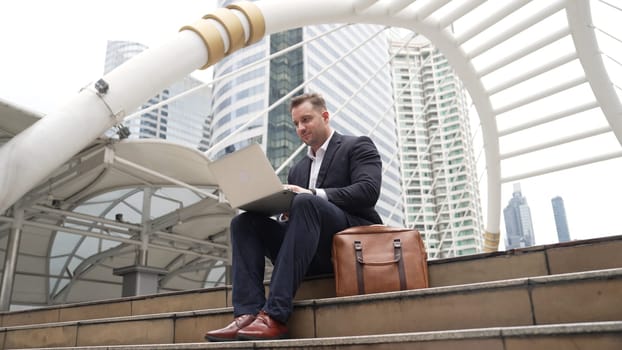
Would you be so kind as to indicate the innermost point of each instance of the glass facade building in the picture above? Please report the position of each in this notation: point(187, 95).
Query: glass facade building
point(286, 73)
point(240, 100)
point(441, 193)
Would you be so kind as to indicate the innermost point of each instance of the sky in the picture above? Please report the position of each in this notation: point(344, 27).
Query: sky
point(50, 49)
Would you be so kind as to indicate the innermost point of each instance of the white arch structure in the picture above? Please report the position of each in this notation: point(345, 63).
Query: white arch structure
point(33, 154)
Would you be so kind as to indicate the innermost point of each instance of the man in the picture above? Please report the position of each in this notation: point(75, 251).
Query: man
point(337, 186)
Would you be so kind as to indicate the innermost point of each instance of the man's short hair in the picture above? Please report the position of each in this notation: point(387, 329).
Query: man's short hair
point(317, 101)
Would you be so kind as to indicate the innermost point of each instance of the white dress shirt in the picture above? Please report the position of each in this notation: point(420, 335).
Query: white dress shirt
point(316, 163)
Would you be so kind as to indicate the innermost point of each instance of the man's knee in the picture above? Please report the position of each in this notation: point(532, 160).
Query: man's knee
point(242, 222)
point(303, 201)
point(240, 219)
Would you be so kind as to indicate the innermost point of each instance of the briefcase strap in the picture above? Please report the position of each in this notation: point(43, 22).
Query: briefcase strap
point(397, 254)
point(358, 252)
point(397, 251)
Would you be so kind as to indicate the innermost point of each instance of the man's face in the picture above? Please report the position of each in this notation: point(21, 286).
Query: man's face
point(311, 124)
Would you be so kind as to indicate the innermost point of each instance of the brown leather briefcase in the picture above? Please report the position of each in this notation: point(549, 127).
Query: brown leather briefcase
point(377, 258)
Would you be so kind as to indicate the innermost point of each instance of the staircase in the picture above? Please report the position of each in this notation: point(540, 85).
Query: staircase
point(562, 296)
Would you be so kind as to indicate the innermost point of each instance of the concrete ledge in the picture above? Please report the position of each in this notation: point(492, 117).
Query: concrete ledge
point(475, 287)
point(576, 276)
point(127, 306)
point(404, 340)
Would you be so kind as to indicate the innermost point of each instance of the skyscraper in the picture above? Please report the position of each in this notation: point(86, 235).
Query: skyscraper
point(439, 178)
point(559, 212)
point(518, 223)
point(182, 121)
point(358, 107)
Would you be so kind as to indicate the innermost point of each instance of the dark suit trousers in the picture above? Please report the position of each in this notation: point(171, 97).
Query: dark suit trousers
point(297, 248)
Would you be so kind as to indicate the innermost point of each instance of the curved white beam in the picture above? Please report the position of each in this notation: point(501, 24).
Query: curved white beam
point(553, 7)
point(493, 18)
point(582, 30)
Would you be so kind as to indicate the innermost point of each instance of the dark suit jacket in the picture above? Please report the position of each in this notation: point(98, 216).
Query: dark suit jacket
point(351, 175)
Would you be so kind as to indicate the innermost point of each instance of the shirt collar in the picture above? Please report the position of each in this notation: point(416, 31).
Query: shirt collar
point(322, 148)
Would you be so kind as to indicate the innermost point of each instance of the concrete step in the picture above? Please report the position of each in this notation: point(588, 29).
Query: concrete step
point(578, 297)
point(576, 336)
point(593, 254)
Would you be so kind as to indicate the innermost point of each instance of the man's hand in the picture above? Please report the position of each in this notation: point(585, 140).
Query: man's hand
point(283, 217)
point(296, 189)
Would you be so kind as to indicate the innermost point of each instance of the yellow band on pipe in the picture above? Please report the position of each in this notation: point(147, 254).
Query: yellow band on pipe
point(232, 25)
point(211, 38)
point(255, 18)
point(491, 241)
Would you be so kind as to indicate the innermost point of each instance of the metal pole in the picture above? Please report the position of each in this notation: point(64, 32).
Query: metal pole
point(10, 260)
point(146, 222)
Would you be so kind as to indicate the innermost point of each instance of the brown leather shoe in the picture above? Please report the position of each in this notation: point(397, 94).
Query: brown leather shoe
point(263, 328)
point(230, 332)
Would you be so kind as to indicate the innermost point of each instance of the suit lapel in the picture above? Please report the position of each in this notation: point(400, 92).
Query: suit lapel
point(305, 170)
point(333, 146)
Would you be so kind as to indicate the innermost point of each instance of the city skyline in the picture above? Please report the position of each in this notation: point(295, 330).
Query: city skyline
point(73, 46)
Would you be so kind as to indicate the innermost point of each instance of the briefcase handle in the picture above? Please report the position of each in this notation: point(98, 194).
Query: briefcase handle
point(377, 263)
point(397, 245)
point(372, 229)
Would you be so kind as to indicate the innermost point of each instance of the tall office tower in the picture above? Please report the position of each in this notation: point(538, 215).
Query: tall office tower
point(518, 224)
point(357, 107)
point(559, 212)
point(207, 133)
point(181, 121)
point(441, 193)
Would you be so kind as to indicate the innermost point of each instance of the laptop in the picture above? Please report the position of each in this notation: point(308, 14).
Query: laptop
point(249, 182)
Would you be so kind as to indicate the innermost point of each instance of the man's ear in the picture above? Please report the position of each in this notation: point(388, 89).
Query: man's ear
point(325, 115)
